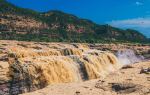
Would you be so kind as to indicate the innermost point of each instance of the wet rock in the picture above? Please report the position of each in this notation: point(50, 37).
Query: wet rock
point(145, 71)
point(127, 67)
point(125, 88)
point(77, 92)
point(4, 58)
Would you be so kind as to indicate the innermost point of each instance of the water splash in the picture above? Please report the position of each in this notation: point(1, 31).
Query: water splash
point(128, 56)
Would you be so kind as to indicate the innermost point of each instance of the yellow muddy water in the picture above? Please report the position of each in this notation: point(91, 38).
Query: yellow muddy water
point(59, 63)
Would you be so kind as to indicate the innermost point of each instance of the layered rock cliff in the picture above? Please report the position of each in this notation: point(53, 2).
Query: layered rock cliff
point(23, 24)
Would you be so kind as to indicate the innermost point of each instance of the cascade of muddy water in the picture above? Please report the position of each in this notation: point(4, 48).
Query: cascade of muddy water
point(128, 56)
point(30, 69)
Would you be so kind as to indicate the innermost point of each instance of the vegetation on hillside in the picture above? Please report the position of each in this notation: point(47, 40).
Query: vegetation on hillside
point(58, 26)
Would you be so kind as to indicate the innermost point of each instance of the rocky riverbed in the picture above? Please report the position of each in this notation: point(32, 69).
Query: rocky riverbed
point(73, 68)
point(131, 79)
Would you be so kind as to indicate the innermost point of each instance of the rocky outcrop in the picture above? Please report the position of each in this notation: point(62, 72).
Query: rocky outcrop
point(20, 24)
point(28, 66)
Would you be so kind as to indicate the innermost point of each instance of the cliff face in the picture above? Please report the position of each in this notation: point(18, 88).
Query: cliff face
point(27, 66)
point(20, 24)
point(24, 24)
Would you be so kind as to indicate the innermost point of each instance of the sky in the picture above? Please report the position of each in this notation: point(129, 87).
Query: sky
point(124, 14)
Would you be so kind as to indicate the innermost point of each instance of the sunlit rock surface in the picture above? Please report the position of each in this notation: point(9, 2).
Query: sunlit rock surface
point(28, 66)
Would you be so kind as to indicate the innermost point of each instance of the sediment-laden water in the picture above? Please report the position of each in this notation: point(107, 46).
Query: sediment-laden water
point(29, 67)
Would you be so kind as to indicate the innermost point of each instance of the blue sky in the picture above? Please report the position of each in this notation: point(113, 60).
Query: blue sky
point(120, 13)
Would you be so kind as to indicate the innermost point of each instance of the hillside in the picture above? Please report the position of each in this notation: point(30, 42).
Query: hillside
point(24, 24)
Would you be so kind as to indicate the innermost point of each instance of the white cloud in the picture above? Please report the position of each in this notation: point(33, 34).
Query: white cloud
point(136, 22)
point(141, 24)
point(138, 3)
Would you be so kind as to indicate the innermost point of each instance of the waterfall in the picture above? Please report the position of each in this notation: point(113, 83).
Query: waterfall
point(30, 69)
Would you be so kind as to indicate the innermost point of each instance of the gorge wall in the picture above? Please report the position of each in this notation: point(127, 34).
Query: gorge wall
point(28, 66)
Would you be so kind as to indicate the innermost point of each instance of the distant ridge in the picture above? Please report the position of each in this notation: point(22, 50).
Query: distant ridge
point(25, 24)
